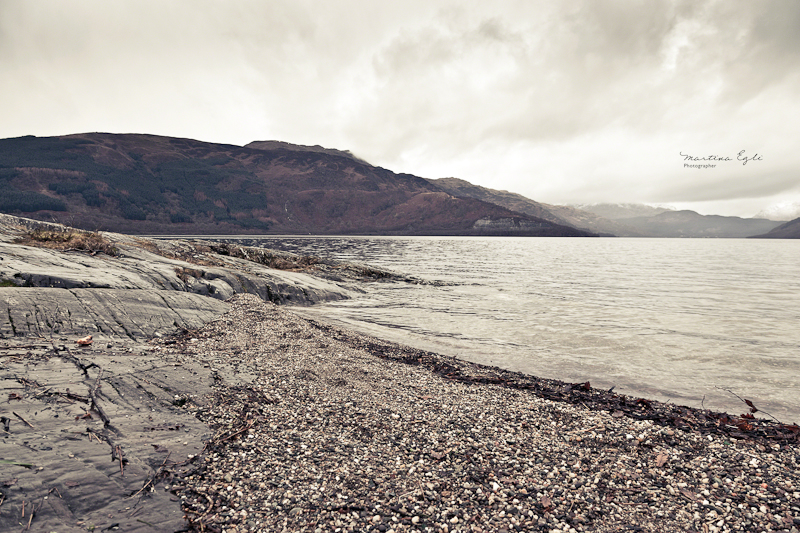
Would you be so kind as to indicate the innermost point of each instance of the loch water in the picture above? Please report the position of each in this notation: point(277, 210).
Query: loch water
point(696, 322)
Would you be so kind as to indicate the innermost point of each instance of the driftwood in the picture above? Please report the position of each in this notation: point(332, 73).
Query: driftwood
point(26, 422)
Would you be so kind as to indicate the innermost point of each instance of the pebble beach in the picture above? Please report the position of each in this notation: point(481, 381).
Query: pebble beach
point(317, 428)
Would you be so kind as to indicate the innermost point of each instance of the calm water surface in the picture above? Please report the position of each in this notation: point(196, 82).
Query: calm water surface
point(668, 319)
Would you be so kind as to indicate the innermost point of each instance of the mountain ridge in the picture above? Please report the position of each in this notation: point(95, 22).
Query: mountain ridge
point(273, 145)
point(788, 230)
point(622, 211)
point(141, 183)
point(558, 214)
point(687, 223)
point(509, 200)
point(621, 220)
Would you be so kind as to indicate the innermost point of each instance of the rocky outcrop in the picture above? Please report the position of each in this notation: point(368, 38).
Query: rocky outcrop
point(118, 397)
point(136, 268)
point(147, 288)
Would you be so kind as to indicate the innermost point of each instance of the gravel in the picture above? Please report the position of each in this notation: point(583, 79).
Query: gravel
point(324, 429)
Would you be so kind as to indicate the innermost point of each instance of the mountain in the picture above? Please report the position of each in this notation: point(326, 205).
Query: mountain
point(691, 224)
point(558, 214)
point(273, 145)
point(513, 201)
point(641, 220)
point(161, 185)
point(789, 230)
point(589, 221)
point(782, 212)
point(622, 211)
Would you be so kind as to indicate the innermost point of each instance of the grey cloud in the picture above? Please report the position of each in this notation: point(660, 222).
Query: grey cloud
point(608, 63)
point(567, 74)
point(769, 51)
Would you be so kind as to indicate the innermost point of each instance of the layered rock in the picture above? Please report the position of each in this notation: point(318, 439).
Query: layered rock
point(141, 291)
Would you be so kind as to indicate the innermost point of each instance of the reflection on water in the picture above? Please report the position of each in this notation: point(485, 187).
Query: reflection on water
point(671, 319)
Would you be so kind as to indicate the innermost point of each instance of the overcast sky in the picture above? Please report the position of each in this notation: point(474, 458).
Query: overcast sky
point(564, 102)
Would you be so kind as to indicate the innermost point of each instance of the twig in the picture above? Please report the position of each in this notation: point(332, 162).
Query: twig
point(136, 510)
point(28, 382)
point(34, 510)
point(26, 422)
point(118, 449)
point(68, 396)
point(406, 494)
point(753, 408)
point(249, 425)
point(21, 347)
point(208, 510)
point(155, 476)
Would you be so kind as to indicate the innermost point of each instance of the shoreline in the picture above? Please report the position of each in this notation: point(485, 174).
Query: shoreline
point(736, 402)
point(667, 413)
point(367, 435)
point(266, 421)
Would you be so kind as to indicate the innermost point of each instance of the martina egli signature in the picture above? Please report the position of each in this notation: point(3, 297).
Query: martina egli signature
point(739, 157)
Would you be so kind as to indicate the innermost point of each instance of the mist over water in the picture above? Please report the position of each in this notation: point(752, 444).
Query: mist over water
point(666, 319)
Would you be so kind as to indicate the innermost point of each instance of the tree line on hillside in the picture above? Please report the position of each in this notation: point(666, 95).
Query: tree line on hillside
point(176, 189)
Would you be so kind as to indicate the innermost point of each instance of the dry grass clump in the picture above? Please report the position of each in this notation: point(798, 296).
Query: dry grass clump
point(185, 274)
point(68, 240)
point(267, 257)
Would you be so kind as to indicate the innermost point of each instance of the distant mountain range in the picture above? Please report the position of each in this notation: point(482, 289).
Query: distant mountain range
point(622, 220)
point(622, 211)
point(651, 221)
point(558, 214)
point(788, 230)
point(692, 224)
point(161, 185)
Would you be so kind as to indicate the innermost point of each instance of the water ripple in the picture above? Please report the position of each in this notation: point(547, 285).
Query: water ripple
point(675, 318)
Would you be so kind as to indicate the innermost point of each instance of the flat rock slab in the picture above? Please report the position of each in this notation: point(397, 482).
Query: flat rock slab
point(79, 473)
point(104, 313)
